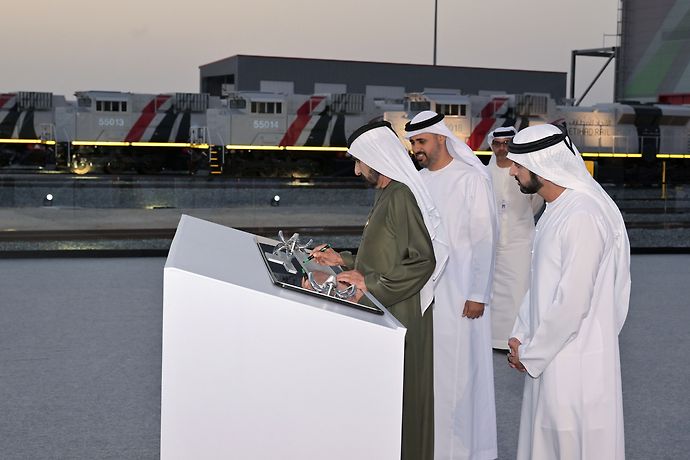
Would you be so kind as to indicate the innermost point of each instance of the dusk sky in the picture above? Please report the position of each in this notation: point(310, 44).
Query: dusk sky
point(156, 46)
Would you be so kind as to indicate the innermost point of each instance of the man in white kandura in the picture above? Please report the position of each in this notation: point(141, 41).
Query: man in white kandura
point(464, 407)
point(566, 334)
point(516, 212)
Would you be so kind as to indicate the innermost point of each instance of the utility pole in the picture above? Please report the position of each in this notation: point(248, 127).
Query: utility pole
point(435, 26)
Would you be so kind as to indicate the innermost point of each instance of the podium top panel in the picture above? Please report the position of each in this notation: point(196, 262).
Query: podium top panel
point(232, 256)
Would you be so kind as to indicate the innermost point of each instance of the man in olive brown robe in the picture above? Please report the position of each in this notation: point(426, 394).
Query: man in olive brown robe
point(397, 263)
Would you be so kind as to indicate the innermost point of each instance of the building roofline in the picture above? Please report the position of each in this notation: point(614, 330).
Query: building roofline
point(377, 62)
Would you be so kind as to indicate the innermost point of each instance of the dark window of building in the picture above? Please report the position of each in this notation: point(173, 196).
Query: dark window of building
point(214, 85)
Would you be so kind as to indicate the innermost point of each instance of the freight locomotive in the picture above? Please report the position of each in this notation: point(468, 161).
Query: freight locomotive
point(629, 143)
point(291, 135)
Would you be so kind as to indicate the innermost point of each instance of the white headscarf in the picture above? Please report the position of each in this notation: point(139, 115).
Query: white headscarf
point(380, 149)
point(563, 165)
point(457, 148)
point(500, 133)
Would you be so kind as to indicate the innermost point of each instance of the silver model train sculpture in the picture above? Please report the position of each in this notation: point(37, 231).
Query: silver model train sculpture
point(291, 135)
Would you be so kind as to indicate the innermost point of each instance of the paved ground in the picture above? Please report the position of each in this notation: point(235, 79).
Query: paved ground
point(80, 360)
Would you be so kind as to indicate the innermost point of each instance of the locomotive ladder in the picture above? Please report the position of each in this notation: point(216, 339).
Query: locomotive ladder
point(215, 160)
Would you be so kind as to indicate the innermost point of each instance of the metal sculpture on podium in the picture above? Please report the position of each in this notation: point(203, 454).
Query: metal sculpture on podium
point(257, 366)
point(290, 253)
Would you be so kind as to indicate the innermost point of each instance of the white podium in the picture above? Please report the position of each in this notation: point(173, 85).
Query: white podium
point(252, 370)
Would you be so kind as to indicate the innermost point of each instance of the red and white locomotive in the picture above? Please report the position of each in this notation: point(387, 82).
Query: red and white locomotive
point(627, 142)
point(272, 134)
point(107, 130)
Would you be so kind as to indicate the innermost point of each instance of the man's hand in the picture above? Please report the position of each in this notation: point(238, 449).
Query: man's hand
point(305, 283)
point(328, 257)
point(357, 279)
point(473, 310)
point(513, 356)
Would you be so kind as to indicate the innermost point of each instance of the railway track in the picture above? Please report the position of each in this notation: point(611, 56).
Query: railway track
point(85, 206)
point(164, 233)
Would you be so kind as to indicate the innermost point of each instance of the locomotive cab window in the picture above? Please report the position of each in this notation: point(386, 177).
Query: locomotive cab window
point(267, 107)
point(84, 101)
point(452, 109)
point(111, 106)
point(237, 104)
point(419, 106)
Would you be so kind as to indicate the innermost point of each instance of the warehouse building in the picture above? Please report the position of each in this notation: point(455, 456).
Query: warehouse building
point(377, 79)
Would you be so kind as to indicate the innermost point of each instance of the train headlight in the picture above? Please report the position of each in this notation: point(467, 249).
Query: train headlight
point(80, 166)
point(275, 201)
